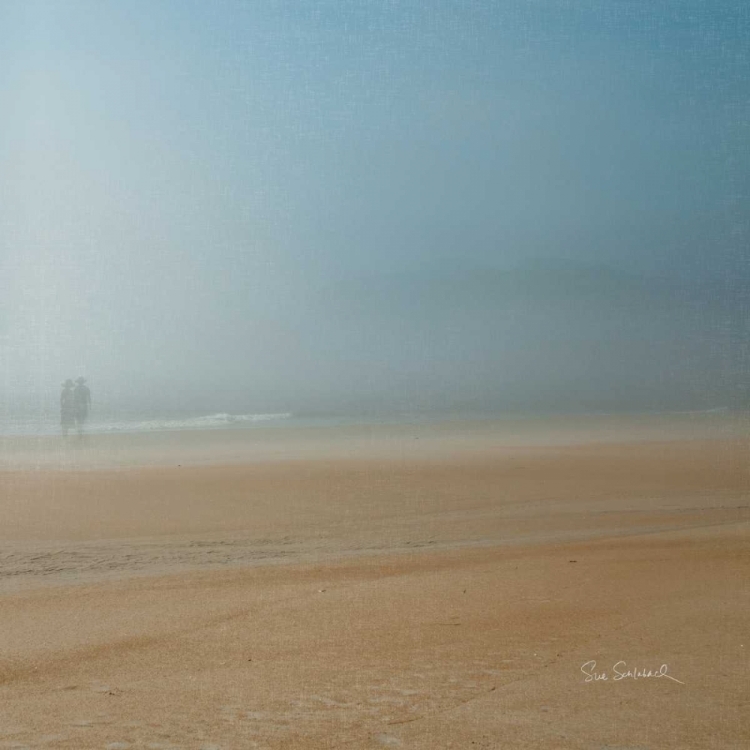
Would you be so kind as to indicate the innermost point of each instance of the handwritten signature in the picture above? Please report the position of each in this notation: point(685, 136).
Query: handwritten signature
point(621, 671)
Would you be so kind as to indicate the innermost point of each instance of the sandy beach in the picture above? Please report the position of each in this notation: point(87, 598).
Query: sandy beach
point(416, 586)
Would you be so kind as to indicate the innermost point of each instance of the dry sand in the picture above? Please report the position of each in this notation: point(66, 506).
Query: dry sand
point(377, 591)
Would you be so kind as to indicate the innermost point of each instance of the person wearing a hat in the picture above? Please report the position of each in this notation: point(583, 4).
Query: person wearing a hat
point(82, 402)
point(67, 407)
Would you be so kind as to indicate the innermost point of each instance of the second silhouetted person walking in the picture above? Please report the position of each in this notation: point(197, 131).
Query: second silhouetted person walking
point(82, 403)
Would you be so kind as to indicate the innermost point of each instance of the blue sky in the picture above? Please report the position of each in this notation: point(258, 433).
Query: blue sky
point(209, 165)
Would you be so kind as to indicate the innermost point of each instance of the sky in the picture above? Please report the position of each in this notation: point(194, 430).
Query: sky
point(240, 206)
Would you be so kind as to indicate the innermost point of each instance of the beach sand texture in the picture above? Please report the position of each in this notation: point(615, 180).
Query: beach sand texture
point(423, 588)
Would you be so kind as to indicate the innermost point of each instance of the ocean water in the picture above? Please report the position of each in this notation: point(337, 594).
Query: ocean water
point(40, 424)
point(48, 424)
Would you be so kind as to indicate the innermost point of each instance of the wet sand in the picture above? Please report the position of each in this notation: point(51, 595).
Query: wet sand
point(445, 594)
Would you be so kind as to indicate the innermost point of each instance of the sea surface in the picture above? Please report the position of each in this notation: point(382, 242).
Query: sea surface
point(36, 425)
point(47, 424)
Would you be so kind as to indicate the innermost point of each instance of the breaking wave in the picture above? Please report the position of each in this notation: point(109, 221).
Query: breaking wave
point(210, 421)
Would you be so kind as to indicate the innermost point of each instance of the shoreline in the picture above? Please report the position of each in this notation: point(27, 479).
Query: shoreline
point(416, 439)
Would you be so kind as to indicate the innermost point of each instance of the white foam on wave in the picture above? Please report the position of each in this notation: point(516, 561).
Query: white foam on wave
point(207, 422)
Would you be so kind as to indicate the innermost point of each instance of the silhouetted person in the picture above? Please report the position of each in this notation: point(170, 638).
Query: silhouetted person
point(82, 402)
point(67, 407)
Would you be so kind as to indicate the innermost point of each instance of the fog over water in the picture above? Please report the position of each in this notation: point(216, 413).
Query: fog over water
point(349, 207)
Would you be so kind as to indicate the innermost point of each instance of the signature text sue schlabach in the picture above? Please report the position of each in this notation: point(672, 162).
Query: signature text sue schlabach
point(621, 671)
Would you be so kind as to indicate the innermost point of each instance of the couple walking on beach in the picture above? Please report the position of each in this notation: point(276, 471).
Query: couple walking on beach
point(75, 401)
